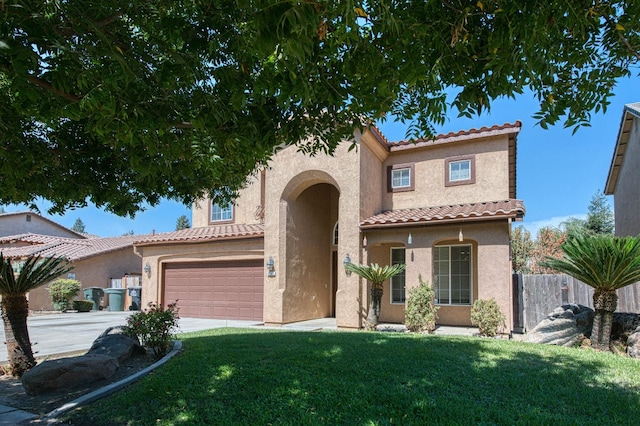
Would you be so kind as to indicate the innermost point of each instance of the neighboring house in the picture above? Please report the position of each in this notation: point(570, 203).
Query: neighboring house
point(623, 181)
point(277, 254)
point(96, 260)
point(28, 222)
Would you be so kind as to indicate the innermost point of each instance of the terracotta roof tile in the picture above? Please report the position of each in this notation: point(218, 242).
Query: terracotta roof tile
point(208, 233)
point(460, 212)
point(461, 135)
point(71, 248)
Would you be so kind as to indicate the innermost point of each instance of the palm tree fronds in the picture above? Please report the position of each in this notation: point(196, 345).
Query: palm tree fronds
point(603, 262)
point(35, 272)
point(375, 273)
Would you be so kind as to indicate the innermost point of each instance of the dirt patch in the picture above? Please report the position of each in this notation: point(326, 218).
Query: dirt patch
point(12, 393)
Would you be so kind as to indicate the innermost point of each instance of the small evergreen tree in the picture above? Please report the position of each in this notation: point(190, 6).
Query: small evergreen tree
point(78, 226)
point(600, 217)
point(182, 223)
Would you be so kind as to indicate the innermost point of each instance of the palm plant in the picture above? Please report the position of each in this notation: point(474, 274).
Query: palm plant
point(35, 272)
point(376, 275)
point(605, 263)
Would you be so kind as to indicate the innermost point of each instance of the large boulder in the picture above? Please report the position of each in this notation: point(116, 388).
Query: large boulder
point(565, 326)
point(68, 373)
point(115, 343)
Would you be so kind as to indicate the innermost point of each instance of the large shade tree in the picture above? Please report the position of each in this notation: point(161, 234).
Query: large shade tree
point(376, 275)
point(34, 272)
point(605, 263)
point(121, 103)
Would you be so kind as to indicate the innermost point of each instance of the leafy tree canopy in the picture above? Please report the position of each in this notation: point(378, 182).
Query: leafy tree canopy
point(124, 103)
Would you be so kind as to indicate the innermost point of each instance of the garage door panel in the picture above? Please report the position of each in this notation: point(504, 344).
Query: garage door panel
point(223, 290)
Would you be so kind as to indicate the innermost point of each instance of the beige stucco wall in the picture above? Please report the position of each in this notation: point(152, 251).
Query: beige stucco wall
point(626, 197)
point(290, 176)
point(490, 258)
point(158, 255)
point(492, 174)
point(244, 207)
point(92, 272)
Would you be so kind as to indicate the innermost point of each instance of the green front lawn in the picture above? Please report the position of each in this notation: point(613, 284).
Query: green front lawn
point(261, 377)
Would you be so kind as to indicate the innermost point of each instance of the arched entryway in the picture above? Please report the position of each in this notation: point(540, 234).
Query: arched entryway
point(310, 287)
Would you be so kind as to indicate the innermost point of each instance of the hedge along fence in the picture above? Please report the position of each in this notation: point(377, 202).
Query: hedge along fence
point(536, 296)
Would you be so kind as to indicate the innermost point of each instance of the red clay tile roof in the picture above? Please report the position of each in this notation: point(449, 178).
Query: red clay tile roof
point(455, 213)
point(72, 248)
point(503, 129)
point(208, 233)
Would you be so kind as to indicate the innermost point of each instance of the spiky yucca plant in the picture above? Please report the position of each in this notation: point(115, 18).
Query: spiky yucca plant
point(376, 275)
point(605, 263)
point(35, 272)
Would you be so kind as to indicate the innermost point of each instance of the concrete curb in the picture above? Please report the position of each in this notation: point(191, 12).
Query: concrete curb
point(113, 387)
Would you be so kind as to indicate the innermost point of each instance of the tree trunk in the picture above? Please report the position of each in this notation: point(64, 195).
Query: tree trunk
point(605, 303)
point(374, 308)
point(14, 315)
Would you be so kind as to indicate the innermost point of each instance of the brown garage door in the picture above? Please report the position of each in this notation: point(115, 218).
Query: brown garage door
point(221, 290)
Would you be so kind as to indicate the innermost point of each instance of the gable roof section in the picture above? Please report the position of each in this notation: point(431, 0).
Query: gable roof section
point(630, 112)
point(71, 248)
point(44, 219)
point(204, 234)
point(513, 209)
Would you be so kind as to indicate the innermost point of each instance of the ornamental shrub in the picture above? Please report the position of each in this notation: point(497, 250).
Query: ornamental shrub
point(82, 305)
point(486, 315)
point(421, 311)
point(62, 291)
point(154, 327)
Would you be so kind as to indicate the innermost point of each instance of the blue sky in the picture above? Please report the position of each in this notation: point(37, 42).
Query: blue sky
point(557, 172)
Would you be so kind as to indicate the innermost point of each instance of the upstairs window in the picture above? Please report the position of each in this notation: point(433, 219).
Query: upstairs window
point(400, 177)
point(460, 171)
point(221, 212)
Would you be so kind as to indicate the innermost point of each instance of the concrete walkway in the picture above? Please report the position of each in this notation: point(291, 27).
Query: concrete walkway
point(58, 333)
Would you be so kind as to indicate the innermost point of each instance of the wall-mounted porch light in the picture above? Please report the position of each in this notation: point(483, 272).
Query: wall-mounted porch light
point(409, 239)
point(460, 236)
point(347, 262)
point(271, 267)
point(147, 269)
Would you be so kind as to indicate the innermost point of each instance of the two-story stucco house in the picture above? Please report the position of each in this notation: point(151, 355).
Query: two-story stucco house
point(443, 206)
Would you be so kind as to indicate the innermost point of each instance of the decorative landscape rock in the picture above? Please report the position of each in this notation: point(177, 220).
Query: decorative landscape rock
point(565, 326)
point(100, 363)
point(68, 373)
point(633, 344)
point(114, 343)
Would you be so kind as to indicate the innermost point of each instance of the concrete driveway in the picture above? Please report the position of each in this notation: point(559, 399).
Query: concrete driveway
point(57, 333)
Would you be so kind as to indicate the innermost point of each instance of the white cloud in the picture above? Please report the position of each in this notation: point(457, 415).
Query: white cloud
point(555, 222)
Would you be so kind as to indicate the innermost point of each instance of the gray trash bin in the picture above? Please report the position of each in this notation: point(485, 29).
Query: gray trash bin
point(136, 297)
point(94, 294)
point(116, 298)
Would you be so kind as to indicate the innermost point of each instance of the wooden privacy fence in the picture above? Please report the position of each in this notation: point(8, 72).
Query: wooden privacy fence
point(536, 296)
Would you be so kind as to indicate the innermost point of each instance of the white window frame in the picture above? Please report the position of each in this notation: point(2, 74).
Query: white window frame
point(399, 175)
point(221, 213)
point(436, 278)
point(454, 174)
point(397, 280)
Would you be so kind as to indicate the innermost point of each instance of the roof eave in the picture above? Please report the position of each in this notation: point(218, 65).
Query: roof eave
point(629, 113)
point(515, 215)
